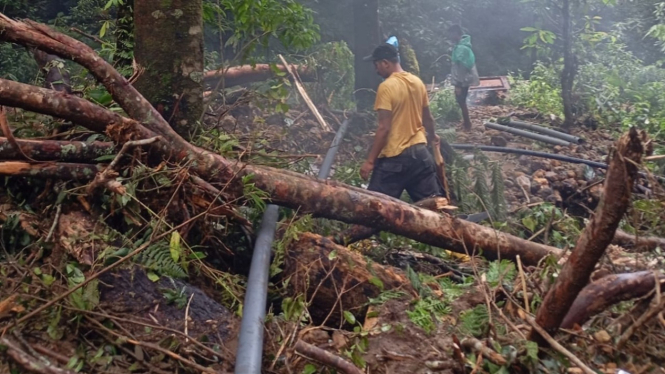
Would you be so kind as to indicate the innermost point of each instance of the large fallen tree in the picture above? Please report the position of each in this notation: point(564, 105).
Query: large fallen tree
point(308, 195)
point(245, 74)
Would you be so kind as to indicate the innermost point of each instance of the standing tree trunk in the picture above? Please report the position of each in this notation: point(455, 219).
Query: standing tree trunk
point(366, 31)
point(124, 37)
point(568, 73)
point(169, 45)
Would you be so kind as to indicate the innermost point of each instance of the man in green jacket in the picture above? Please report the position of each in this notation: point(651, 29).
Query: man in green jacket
point(463, 72)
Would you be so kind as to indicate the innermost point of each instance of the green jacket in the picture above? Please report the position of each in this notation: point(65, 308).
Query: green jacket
point(463, 72)
point(463, 54)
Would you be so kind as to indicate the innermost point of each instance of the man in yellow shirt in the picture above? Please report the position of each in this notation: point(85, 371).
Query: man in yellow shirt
point(399, 158)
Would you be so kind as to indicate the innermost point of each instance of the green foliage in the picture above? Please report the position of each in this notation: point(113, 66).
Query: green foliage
point(426, 310)
point(334, 65)
point(253, 24)
point(541, 92)
point(444, 105)
point(162, 257)
point(481, 196)
point(500, 272)
point(475, 321)
point(564, 229)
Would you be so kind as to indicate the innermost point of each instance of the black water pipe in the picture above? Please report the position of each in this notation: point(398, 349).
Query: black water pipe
point(526, 134)
point(249, 355)
point(552, 156)
point(543, 130)
point(526, 152)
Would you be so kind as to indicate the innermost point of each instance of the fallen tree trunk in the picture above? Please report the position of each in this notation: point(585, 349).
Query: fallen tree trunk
point(644, 243)
point(607, 291)
point(335, 279)
point(596, 236)
point(79, 172)
point(309, 195)
point(55, 150)
point(245, 74)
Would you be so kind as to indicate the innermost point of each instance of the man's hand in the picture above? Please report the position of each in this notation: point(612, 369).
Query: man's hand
point(366, 169)
point(436, 142)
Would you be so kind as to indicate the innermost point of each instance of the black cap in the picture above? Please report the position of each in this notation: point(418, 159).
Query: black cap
point(383, 52)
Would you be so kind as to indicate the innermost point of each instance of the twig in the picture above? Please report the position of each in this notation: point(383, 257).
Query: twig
point(4, 126)
point(524, 290)
point(30, 363)
point(156, 347)
point(478, 346)
point(89, 36)
point(96, 275)
point(106, 176)
point(326, 358)
point(574, 359)
point(187, 317)
point(55, 223)
point(645, 317)
point(302, 91)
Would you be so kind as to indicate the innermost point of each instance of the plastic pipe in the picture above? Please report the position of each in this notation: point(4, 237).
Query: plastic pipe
point(332, 151)
point(526, 152)
point(250, 341)
point(526, 134)
point(552, 156)
point(544, 130)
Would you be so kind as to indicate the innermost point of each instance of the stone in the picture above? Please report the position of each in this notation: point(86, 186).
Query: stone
point(499, 141)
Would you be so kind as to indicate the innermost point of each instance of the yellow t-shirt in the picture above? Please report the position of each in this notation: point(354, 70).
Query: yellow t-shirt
point(405, 96)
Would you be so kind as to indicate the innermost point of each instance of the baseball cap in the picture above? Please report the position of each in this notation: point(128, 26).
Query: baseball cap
point(383, 52)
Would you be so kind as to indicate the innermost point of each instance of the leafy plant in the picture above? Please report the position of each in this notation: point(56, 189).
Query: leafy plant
point(444, 105)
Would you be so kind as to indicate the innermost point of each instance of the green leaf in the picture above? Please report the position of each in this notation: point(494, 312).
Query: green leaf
point(105, 158)
point(349, 317)
point(529, 29)
point(174, 246)
point(152, 276)
point(332, 255)
point(529, 223)
point(377, 282)
point(309, 369)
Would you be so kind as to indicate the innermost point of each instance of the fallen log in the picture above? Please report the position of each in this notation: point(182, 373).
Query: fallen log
point(334, 279)
point(56, 150)
point(322, 198)
point(65, 171)
point(597, 235)
point(326, 358)
point(245, 74)
point(607, 291)
point(644, 243)
point(30, 363)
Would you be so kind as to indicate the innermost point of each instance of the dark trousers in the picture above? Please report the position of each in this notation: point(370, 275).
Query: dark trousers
point(414, 170)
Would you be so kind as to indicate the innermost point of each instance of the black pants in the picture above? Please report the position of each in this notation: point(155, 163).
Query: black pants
point(464, 93)
point(414, 170)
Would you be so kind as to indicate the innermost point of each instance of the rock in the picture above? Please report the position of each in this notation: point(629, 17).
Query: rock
point(554, 198)
point(551, 176)
point(539, 174)
point(499, 141)
point(581, 183)
point(562, 175)
point(508, 183)
point(545, 192)
point(540, 164)
point(535, 187)
point(557, 149)
point(556, 163)
point(541, 181)
point(524, 182)
point(536, 199)
point(602, 337)
point(228, 122)
point(571, 174)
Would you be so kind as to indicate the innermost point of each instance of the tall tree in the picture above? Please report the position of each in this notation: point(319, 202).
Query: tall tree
point(169, 45)
point(366, 30)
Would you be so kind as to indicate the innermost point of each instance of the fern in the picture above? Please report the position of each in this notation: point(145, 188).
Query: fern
point(497, 197)
point(500, 271)
point(426, 311)
point(157, 258)
point(480, 187)
point(475, 321)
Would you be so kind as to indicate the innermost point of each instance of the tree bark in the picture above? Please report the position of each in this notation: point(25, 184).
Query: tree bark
point(169, 44)
point(79, 172)
point(607, 291)
point(323, 198)
point(646, 243)
point(334, 279)
point(597, 235)
point(55, 150)
point(366, 31)
point(245, 74)
point(568, 73)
